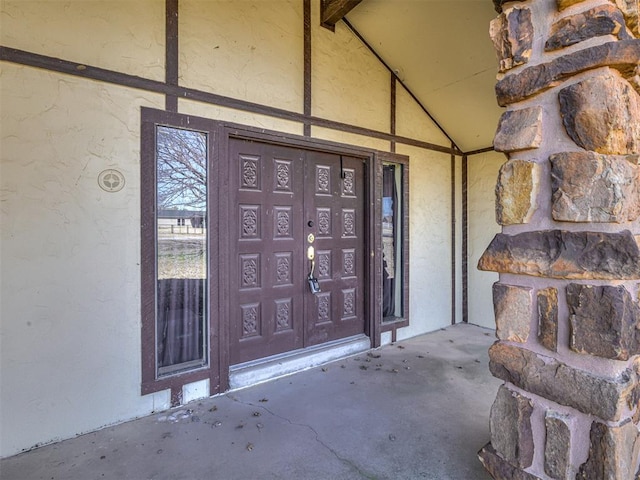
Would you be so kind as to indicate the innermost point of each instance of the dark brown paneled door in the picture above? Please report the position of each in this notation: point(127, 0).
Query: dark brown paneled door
point(279, 197)
point(334, 215)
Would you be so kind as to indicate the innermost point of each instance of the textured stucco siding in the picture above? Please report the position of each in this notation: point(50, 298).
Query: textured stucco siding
point(349, 84)
point(430, 241)
point(224, 114)
point(251, 50)
point(126, 36)
point(70, 350)
point(412, 122)
point(483, 173)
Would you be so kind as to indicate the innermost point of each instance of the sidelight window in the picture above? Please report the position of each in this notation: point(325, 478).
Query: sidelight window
point(181, 249)
point(178, 252)
point(394, 244)
point(215, 294)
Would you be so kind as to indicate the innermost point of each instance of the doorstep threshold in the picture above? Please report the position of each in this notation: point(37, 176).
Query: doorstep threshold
point(264, 369)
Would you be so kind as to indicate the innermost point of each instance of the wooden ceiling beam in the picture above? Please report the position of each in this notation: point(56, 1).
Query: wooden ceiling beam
point(332, 11)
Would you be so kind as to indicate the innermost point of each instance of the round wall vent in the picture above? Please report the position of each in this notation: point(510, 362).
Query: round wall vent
point(111, 180)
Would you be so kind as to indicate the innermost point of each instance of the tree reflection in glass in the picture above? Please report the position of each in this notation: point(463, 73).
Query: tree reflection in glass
point(181, 220)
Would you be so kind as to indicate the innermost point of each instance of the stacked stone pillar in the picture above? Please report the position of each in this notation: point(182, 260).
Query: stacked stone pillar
point(567, 303)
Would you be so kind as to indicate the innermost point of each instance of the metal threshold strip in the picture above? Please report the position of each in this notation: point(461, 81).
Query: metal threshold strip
point(258, 371)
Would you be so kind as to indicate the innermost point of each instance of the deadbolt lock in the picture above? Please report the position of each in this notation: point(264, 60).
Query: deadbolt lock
point(311, 238)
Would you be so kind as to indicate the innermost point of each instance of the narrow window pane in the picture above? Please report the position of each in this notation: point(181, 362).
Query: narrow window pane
point(181, 159)
point(392, 254)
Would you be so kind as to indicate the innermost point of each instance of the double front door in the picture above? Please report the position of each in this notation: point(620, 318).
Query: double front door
point(294, 215)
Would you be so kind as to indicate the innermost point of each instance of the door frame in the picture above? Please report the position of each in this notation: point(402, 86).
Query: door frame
point(372, 271)
point(217, 368)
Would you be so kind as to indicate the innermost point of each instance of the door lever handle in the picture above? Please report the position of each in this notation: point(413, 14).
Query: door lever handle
point(314, 285)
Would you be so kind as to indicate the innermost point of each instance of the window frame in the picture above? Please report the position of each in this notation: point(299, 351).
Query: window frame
point(219, 133)
point(151, 380)
point(383, 158)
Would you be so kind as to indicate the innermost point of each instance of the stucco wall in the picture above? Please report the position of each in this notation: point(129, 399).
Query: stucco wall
point(349, 138)
point(412, 122)
point(70, 252)
point(117, 35)
point(248, 50)
point(483, 174)
point(214, 112)
point(349, 83)
point(430, 241)
point(70, 351)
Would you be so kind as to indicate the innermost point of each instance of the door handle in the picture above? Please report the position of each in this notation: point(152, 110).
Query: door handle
point(314, 285)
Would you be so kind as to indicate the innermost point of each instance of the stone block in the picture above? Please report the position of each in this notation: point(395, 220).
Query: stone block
point(602, 114)
point(588, 187)
point(511, 433)
point(512, 36)
point(598, 21)
point(613, 452)
point(621, 55)
point(603, 321)
point(499, 468)
point(548, 318)
point(631, 11)
point(605, 396)
point(519, 130)
point(562, 254)
point(634, 404)
point(562, 4)
point(557, 447)
point(516, 191)
point(513, 307)
point(499, 3)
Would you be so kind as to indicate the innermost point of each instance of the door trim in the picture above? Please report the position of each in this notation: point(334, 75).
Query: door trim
point(263, 369)
point(381, 158)
point(229, 131)
point(217, 369)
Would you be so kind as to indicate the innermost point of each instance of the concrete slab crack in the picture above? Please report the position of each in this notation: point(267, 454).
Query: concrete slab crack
point(342, 459)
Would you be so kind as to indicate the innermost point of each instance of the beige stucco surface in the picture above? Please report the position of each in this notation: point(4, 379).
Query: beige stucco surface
point(349, 138)
point(348, 83)
point(119, 35)
point(70, 252)
point(70, 351)
point(413, 122)
point(430, 240)
point(483, 174)
point(223, 114)
point(251, 50)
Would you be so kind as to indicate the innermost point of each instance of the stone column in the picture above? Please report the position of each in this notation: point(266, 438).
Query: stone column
point(568, 199)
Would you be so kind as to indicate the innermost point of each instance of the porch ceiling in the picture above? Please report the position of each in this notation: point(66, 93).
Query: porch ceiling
point(442, 52)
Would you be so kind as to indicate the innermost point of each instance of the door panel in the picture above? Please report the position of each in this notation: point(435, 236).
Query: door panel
point(266, 304)
point(280, 195)
point(334, 209)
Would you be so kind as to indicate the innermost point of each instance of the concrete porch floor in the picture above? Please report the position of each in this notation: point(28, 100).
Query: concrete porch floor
point(418, 409)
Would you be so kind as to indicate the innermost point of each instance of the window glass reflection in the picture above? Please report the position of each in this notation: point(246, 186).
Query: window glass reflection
point(181, 160)
point(392, 254)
